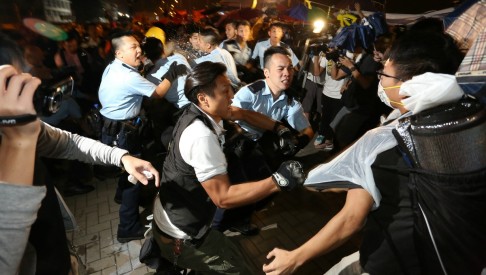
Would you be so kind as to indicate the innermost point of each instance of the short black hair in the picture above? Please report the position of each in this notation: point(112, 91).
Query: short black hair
point(230, 21)
point(202, 79)
point(243, 23)
point(210, 35)
point(153, 48)
point(116, 36)
point(274, 50)
point(277, 24)
point(192, 28)
point(419, 52)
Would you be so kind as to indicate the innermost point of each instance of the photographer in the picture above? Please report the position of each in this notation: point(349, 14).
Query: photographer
point(359, 96)
point(34, 138)
point(314, 82)
point(331, 98)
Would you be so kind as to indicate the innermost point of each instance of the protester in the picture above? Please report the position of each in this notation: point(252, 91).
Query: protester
point(378, 199)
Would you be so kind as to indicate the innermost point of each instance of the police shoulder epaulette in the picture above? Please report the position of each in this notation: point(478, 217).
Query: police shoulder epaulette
point(257, 86)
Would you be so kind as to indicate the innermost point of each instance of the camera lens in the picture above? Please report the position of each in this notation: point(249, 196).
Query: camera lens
point(48, 98)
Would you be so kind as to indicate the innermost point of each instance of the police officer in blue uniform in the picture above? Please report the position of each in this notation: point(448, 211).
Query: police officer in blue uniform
point(121, 93)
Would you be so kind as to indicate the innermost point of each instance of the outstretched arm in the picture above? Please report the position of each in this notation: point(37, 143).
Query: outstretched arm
point(338, 230)
point(253, 118)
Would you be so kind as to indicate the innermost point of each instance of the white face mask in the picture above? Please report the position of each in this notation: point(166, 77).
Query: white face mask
point(384, 97)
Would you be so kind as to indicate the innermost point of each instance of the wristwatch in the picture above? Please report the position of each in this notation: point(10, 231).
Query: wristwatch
point(352, 69)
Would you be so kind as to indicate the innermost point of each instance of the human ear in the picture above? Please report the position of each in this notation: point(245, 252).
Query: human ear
point(266, 72)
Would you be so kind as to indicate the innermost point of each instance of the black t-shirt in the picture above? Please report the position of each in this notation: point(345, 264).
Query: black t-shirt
point(392, 222)
point(363, 100)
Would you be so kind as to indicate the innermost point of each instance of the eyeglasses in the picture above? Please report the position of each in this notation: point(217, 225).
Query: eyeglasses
point(380, 73)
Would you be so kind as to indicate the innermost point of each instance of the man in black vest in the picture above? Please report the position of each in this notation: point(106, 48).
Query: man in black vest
point(195, 180)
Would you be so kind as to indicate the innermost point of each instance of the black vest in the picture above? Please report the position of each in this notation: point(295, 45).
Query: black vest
point(184, 199)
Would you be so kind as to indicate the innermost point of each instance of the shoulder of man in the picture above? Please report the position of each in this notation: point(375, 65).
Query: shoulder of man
point(256, 86)
point(229, 42)
point(261, 41)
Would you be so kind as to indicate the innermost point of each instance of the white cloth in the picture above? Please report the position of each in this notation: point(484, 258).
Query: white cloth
point(201, 149)
point(429, 90)
point(354, 164)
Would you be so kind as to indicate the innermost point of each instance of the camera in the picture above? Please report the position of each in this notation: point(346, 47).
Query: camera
point(316, 48)
point(334, 55)
point(48, 97)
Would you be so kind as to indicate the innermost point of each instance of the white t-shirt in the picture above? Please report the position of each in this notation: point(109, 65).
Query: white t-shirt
point(332, 88)
point(201, 148)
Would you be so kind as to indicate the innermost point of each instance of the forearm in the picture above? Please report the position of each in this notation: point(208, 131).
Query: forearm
point(226, 195)
point(56, 143)
point(17, 159)
point(336, 232)
point(340, 228)
point(336, 73)
point(239, 194)
point(253, 118)
point(317, 68)
point(162, 89)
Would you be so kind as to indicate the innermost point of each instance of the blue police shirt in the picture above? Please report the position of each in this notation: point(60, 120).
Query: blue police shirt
point(121, 91)
point(175, 94)
point(223, 56)
point(258, 97)
point(262, 46)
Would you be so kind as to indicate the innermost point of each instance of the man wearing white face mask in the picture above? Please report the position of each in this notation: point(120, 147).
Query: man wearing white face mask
point(378, 201)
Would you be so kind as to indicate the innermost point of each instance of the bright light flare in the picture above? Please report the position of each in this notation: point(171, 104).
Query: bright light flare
point(318, 26)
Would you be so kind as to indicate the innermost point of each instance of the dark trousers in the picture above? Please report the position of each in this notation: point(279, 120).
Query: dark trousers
point(330, 107)
point(130, 194)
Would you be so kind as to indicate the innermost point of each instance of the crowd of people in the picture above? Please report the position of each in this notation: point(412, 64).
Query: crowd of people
point(210, 126)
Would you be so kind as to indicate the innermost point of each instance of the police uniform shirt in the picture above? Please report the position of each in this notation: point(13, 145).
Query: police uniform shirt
point(241, 56)
point(175, 94)
point(262, 46)
point(258, 97)
point(202, 149)
point(121, 91)
point(223, 56)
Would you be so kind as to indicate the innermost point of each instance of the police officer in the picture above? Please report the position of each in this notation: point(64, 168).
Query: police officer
point(275, 33)
point(195, 180)
point(269, 97)
point(121, 93)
